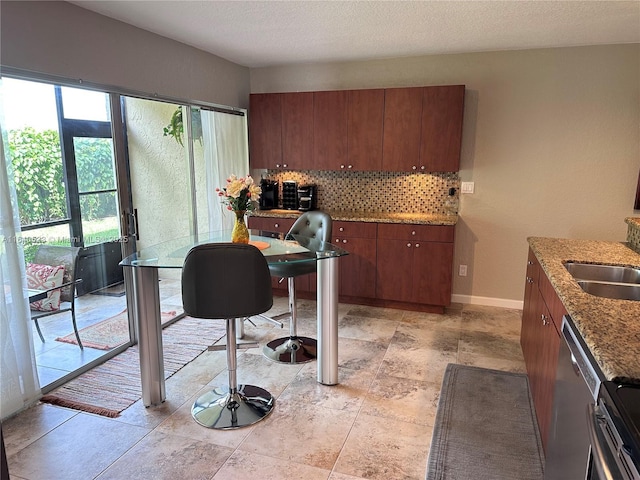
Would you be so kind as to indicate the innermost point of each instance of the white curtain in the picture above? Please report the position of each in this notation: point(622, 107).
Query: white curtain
point(19, 385)
point(225, 153)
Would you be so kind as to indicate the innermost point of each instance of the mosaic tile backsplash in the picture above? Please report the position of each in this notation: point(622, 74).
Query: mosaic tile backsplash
point(633, 233)
point(393, 192)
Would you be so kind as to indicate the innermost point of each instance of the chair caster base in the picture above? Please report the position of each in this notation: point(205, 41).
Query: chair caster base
point(291, 350)
point(224, 410)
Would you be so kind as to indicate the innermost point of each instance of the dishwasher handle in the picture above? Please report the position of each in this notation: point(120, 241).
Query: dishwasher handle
point(603, 461)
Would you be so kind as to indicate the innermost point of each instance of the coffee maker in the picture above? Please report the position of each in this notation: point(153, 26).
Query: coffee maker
point(307, 197)
point(269, 195)
point(289, 195)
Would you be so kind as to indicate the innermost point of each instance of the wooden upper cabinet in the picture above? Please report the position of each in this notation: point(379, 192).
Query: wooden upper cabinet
point(365, 113)
point(330, 130)
point(415, 129)
point(402, 129)
point(297, 131)
point(265, 131)
point(442, 112)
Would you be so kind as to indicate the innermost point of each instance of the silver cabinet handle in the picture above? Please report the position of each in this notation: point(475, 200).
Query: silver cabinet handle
point(276, 225)
point(409, 245)
point(284, 165)
point(417, 245)
point(422, 167)
point(529, 262)
point(341, 229)
point(342, 166)
point(545, 320)
point(413, 232)
point(344, 241)
point(529, 280)
point(414, 168)
point(350, 167)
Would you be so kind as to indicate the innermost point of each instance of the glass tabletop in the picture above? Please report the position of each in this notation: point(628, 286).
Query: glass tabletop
point(276, 247)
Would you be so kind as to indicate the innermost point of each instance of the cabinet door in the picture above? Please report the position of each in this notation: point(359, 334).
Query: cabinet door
point(265, 131)
point(442, 112)
point(297, 131)
point(543, 399)
point(358, 269)
point(329, 130)
point(529, 311)
point(402, 129)
point(365, 113)
point(432, 271)
point(394, 273)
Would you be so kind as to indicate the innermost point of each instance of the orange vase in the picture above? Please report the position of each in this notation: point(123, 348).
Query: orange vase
point(240, 233)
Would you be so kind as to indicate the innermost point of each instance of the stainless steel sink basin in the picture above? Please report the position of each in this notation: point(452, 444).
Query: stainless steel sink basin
point(603, 273)
point(617, 291)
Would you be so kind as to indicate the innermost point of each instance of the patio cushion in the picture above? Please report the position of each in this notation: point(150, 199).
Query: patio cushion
point(44, 277)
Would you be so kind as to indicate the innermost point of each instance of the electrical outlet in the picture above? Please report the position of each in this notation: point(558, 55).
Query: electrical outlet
point(462, 271)
point(467, 187)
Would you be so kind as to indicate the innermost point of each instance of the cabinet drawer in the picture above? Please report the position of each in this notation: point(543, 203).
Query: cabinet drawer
point(354, 229)
point(424, 233)
point(269, 224)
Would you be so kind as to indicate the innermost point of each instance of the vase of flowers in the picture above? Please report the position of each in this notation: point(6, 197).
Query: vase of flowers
point(241, 195)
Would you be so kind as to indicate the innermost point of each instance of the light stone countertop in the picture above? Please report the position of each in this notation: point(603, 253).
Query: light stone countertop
point(374, 217)
point(610, 328)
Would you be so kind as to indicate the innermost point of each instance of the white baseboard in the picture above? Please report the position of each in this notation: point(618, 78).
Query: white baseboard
point(488, 301)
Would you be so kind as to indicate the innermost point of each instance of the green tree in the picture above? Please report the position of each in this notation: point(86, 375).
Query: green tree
point(94, 165)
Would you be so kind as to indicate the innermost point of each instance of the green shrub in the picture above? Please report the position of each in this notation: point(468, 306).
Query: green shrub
point(40, 188)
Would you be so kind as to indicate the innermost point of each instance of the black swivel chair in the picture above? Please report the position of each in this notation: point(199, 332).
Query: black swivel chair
point(228, 281)
point(294, 349)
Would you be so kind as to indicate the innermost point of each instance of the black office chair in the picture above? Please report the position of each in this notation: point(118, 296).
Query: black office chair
point(228, 281)
point(315, 225)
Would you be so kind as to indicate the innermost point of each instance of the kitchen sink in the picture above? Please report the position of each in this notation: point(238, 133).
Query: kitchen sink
point(617, 291)
point(609, 281)
point(603, 273)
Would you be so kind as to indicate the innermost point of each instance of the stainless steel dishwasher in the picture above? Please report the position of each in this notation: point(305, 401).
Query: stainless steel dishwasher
point(578, 379)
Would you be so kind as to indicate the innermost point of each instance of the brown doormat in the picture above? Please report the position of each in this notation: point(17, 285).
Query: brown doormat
point(109, 333)
point(113, 386)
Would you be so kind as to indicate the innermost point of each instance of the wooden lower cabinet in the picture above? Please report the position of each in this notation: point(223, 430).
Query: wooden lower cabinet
point(391, 265)
point(415, 263)
point(358, 269)
point(540, 340)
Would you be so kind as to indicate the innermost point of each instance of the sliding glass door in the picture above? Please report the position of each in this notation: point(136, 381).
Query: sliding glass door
point(111, 174)
point(60, 146)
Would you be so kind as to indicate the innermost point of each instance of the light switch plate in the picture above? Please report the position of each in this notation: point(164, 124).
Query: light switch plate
point(467, 187)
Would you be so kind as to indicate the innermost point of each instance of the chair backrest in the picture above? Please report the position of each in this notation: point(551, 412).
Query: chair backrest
point(225, 280)
point(313, 224)
point(54, 255)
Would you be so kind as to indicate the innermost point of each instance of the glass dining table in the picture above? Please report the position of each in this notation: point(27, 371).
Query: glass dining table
point(277, 248)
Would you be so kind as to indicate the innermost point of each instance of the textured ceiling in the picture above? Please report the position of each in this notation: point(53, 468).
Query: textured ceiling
point(268, 33)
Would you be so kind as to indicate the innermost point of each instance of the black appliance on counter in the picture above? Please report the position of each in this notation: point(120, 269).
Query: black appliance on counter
point(614, 430)
point(269, 196)
point(307, 197)
point(289, 195)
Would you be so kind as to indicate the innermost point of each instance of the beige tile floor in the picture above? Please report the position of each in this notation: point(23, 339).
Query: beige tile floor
point(376, 424)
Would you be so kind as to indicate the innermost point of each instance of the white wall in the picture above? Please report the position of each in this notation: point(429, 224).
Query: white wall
point(551, 139)
point(58, 38)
